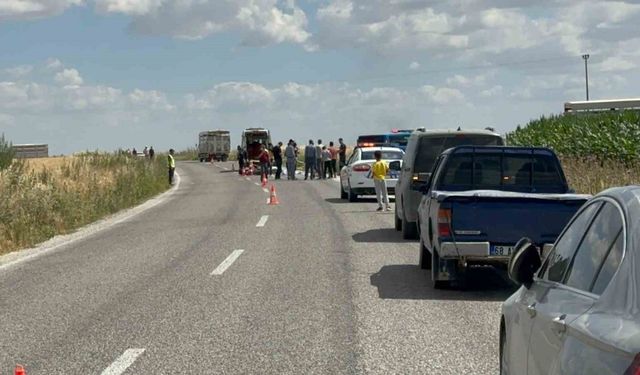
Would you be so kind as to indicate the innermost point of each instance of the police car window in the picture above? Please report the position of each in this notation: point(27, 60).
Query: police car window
point(386, 155)
point(610, 265)
point(595, 246)
point(559, 258)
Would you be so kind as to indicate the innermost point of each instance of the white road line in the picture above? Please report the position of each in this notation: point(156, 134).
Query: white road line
point(257, 184)
point(247, 178)
point(265, 190)
point(262, 221)
point(227, 262)
point(123, 362)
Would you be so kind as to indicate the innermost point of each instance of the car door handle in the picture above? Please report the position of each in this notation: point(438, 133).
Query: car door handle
point(531, 309)
point(559, 324)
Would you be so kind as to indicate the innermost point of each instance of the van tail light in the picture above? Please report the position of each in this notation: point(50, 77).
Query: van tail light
point(361, 168)
point(634, 368)
point(444, 223)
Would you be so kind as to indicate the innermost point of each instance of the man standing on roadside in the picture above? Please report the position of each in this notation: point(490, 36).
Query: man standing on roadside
point(379, 171)
point(240, 157)
point(277, 159)
point(290, 154)
point(152, 153)
point(334, 159)
point(265, 160)
point(310, 162)
point(343, 153)
point(319, 163)
point(171, 164)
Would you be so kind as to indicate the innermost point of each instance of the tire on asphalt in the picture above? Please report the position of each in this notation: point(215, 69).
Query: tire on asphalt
point(353, 197)
point(396, 220)
point(409, 230)
point(425, 257)
point(435, 261)
point(343, 194)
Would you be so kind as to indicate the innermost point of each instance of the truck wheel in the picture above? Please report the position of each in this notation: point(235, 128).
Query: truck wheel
point(353, 197)
point(409, 230)
point(396, 220)
point(435, 266)
point(425, 257)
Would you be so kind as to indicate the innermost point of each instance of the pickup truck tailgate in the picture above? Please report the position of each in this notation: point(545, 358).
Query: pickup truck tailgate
point(503, 218)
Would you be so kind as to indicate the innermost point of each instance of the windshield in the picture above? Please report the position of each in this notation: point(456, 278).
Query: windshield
point(386, 155)
point(429, 148)
point(503, 171)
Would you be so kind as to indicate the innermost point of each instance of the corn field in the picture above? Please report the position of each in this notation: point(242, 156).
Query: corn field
point(39, 203)
point(603, 136)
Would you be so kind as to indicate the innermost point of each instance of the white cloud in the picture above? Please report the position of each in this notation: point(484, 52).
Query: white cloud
point(414, 65)
point(31, 9)
point(53, 64)
point(612, 64)
point(491, 92)
point(442, 95)
point(19, 71)
point(258, 22)
point(68, 77)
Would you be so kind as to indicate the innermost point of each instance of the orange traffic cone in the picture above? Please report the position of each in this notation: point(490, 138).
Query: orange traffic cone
point(273, 198)
point(20, 370)
point(264, 180)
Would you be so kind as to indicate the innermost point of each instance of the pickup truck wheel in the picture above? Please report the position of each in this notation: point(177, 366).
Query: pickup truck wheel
point(425, 257)
point(397, 221)
point(201, 160)
point(435, 265)
point(409, 230)
point(343, 194)
point(353, 197)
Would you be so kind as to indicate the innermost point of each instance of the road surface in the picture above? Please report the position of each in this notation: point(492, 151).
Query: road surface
point(215, 281)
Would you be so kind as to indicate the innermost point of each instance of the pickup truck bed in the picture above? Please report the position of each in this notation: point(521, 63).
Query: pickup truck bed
point(505, 218)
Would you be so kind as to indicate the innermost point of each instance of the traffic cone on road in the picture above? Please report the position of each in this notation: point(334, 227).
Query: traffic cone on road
point(264, 180)
point(273, 198)
point(20, 370)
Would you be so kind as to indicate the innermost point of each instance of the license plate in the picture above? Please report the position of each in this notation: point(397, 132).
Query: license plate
point(501, 250)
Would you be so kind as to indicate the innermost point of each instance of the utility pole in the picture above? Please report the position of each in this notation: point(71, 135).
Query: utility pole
point(586, 74)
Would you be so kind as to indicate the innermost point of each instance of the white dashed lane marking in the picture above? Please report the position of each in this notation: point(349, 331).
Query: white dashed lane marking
point(123, 362)
point(227, 262)
point(262, 221)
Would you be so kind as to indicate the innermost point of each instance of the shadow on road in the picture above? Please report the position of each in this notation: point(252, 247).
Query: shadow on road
point(408, 281)
point(379, 235)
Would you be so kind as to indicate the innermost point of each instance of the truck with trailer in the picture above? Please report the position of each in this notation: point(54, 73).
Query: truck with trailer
point(214, 145)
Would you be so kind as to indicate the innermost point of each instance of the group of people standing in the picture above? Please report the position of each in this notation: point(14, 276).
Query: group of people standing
point(319, 160)
point(148, 152)
point(322, 160)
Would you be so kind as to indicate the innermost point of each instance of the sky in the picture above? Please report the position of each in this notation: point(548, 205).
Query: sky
point(108, 74)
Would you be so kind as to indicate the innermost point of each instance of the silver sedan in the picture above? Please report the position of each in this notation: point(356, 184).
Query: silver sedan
point(578, 309)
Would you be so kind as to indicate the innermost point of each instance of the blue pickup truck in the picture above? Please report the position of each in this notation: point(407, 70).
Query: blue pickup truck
point(480, 200)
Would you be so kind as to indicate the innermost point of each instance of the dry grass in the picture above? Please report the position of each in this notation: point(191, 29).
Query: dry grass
point(591, 176)
point(38, 164)
point(41, 198)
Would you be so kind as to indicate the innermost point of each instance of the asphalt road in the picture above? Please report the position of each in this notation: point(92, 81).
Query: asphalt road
point(204, 283)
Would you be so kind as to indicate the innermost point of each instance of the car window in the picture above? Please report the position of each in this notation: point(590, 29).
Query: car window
point(386, 155)
point(429, 148)
point(595, 246)
point(558, 260)
point(610, 265)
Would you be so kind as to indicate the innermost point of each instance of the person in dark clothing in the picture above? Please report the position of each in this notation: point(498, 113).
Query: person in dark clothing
point(310, 163)
point(152, 153)
point(342, 153)
point(171, 165)
point(277, 159)
point(240, 160)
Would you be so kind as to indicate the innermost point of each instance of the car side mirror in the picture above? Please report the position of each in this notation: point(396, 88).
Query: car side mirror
point(395, 165)
point(524, 262)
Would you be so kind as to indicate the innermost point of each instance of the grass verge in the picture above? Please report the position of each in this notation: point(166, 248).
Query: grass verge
point(37, 203)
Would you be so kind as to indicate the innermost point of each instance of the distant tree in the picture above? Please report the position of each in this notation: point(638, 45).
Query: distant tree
point(7, 153)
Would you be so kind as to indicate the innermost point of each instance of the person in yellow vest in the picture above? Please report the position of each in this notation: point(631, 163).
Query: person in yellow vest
point(171, 164)
point(379, 171)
